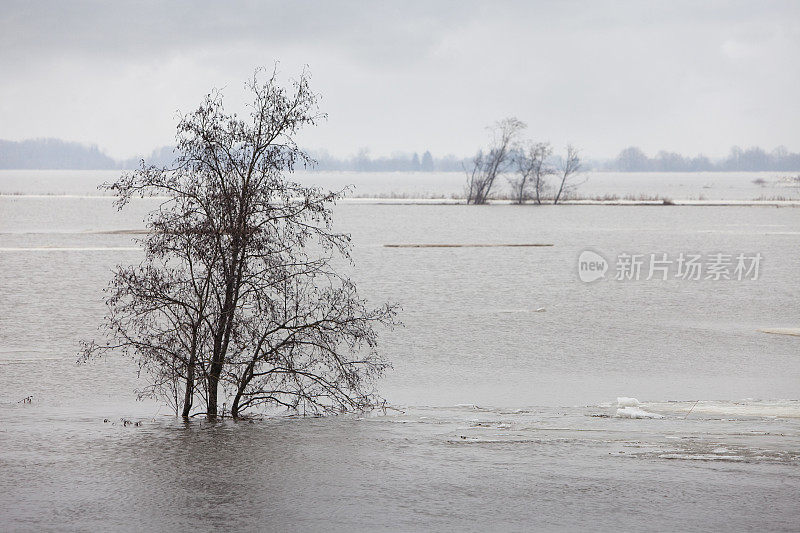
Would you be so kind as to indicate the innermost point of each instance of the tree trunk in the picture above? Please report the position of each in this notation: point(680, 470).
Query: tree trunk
point(213, 387)
point(248, 375)
point(214, 373)
point(189, 393)
point(222, 336)
point(188, 396)
point(237, 399)
point(560, 190)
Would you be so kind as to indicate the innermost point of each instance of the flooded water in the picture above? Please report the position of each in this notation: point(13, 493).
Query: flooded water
point(511, 383)
point(590, 184)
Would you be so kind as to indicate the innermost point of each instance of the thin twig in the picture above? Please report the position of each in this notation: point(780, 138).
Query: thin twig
point(690, 410)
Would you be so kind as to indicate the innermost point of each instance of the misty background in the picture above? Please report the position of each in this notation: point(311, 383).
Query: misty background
point(58, 154)
point(682, 81)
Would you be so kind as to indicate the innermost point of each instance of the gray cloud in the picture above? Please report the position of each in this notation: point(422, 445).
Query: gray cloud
point(685, 76)
point(380, 31)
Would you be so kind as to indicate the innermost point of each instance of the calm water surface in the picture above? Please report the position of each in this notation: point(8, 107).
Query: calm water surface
point(506, 415)
point(675, 185)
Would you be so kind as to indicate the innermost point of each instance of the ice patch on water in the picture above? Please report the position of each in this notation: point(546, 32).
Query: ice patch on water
point(702, 457)
point(623, 401)
point(721, 408)
point(782, 331)
point(631, 408)
point(635, 412)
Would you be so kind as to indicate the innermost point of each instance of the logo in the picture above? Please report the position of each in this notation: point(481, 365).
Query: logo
point(591, 266)
point(663, 266)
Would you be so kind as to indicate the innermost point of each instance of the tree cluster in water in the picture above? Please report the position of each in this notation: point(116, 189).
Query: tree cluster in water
point(237, 305)
point(530, 167)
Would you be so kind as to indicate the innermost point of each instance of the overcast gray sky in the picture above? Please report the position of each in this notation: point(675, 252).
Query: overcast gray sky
point(409, 76)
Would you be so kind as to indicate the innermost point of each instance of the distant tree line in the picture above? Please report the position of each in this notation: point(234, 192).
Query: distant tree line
point(58, 154)
point(65, 155)
point(633, 159)
point(398, 162)
point(52, 154)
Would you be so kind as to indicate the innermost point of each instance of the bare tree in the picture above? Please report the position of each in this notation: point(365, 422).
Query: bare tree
point(236, 298)
point(567, 171)
point(487, 166)
point(532, 171)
